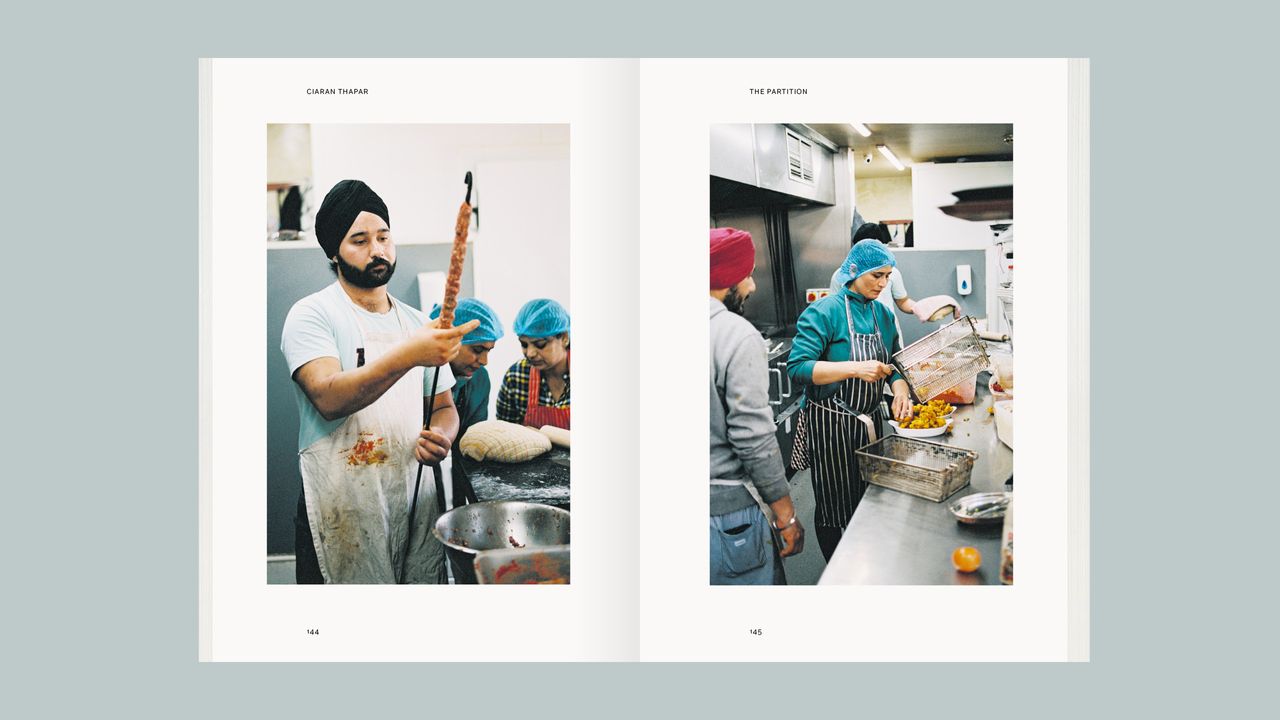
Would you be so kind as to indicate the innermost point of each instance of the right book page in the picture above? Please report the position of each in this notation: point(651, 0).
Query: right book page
point(842, 421)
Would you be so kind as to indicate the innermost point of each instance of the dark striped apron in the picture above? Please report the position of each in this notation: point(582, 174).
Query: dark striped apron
point(834, 432)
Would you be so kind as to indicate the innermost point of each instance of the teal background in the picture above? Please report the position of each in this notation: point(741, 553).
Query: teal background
point(100, 196)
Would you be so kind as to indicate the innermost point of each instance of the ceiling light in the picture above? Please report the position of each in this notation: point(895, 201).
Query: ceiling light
point(888, 155)
point(863, 130)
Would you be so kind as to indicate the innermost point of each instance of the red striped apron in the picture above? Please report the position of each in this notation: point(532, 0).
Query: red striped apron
point(536, 415)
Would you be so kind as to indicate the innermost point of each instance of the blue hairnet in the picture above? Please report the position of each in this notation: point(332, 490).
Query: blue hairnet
point(864, 256)
point(542, 318)
point(472, 309)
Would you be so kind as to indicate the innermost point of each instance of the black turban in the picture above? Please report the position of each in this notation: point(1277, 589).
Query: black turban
point(344, 202)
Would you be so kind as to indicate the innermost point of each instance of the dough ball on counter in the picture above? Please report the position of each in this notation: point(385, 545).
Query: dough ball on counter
point(503, 441)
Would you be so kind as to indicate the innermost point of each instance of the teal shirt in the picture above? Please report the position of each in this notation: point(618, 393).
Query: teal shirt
point(471, 395)
point(823, 334)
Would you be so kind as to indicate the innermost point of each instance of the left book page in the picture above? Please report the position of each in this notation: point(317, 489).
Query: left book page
point(341, 202)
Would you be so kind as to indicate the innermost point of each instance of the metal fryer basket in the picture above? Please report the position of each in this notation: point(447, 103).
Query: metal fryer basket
point(929, 470)
point(942, 359)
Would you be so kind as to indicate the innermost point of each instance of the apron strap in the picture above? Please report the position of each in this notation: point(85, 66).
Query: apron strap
point(439, 478)
point(848, 318)
point(462, 487)
point(535, 388)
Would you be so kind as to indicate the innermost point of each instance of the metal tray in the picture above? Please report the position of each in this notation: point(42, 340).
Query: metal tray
point(942, 359)
point(928, 470)
point(981, 508)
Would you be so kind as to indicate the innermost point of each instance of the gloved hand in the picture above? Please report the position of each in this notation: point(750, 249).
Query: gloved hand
point(932, 309)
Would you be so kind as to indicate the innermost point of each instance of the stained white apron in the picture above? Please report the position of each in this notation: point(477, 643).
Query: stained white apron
point(358, 483)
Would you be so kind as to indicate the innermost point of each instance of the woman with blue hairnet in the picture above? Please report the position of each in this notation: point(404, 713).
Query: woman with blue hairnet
point(535, 391)
point(841, 357)
point(895, 293)
point(471, 391)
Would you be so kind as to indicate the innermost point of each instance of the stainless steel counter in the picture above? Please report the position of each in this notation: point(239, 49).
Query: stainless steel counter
point(899, 539)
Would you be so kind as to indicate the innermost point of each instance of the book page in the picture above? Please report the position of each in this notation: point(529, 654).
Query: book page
point(548, 150)
point(884, 574)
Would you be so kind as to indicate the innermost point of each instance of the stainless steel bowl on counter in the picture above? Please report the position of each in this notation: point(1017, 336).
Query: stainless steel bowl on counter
point(495, 525)
point(981, 508)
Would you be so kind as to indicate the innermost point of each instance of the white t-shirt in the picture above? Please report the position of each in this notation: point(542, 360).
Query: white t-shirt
point(895, 290)
point(323, 324)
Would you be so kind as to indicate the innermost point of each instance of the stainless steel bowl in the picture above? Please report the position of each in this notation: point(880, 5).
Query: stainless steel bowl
point(499, 524)
point(981, 508)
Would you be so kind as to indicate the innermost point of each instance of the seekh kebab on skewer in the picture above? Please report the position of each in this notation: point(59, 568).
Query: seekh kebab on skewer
point(453, 281)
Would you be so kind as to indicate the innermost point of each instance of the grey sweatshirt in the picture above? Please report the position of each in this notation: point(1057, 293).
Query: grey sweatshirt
point(743, 445)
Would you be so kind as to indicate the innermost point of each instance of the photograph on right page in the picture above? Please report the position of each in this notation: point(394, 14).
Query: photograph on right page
point(861, 348)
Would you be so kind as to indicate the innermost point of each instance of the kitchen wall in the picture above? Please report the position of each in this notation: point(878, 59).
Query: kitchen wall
point(293, 273)
point(418, 169)
point(885, 198)
point(288, 153)
point(933, 272)
point(931, 187)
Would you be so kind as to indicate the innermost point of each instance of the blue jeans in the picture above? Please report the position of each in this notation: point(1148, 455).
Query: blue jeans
point(741, 548)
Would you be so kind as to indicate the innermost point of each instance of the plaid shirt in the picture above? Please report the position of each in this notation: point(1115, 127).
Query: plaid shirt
point(513, 396)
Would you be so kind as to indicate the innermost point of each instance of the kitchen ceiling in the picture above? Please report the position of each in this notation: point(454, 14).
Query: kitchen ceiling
point(918, 143)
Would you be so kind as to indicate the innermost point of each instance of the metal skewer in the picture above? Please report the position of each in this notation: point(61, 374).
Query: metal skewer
point(428, 411)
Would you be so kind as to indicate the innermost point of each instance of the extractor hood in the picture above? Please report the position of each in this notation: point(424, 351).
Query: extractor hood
point(982, 204)
point(761, 166)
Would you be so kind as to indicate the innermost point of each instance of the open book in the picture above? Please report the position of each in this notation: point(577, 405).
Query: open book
point(564, 204)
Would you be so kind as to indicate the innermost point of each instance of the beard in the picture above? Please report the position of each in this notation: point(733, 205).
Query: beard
point(734, 300)
point(368, 278)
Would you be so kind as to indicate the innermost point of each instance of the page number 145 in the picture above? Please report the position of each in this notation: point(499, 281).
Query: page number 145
point(756, 631)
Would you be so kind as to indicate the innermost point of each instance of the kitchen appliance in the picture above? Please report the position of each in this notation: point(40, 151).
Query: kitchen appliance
point(942, 359)
point(784, 397)
point(1002, 238)
point(925, 469)
point(497, 525)
point(770, 165)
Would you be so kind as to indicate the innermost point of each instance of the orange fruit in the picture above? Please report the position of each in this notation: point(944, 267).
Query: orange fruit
point(966, 559)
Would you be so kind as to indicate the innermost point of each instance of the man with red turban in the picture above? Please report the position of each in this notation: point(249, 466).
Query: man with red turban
point(749, 490)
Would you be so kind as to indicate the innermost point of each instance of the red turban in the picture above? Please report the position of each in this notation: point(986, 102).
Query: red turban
point(733, 257)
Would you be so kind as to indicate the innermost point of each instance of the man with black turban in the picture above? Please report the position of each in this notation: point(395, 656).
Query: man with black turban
point(357, 357)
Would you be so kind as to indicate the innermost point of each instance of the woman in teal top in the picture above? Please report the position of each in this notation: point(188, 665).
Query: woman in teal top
point(841, 357)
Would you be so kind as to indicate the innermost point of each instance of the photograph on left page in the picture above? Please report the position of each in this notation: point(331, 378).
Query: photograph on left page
point(417, 353)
